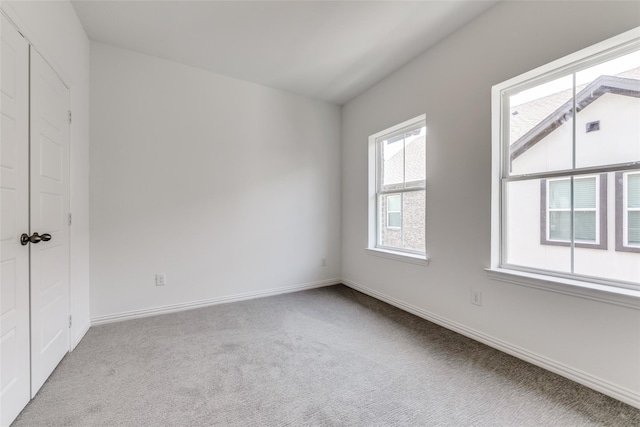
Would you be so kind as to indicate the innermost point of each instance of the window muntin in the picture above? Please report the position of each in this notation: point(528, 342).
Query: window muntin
point(400, 194)
point(545, 142)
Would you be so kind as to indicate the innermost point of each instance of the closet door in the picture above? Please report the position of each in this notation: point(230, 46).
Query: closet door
point(14, 220)
point(49, 198)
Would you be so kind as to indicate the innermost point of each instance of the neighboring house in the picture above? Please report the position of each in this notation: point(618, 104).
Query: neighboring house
point(606, 205)
point(403, 215)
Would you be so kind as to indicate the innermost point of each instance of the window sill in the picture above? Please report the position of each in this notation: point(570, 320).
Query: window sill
point(594, 291)
point(400, 256)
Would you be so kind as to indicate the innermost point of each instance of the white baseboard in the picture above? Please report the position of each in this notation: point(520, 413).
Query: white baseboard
point(154, 311)
point(598, 384)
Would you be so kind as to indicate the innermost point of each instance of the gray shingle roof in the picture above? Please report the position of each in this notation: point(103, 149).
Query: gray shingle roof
point(537, 119)
point(414, 169)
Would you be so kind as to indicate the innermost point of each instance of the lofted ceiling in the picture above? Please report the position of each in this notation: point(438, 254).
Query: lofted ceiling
point(328, 50)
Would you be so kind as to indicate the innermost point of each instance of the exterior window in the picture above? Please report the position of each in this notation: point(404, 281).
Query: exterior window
point(394, 213)
point(561, 135)
point(589, 212)
point(632, 210)
point(398, 173)
point(628, 212)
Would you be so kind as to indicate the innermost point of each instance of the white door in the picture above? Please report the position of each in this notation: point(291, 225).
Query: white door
point(14, 220)
point(49, 198)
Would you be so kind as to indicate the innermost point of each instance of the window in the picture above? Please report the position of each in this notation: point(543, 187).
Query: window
point(563, 135)
point(589, 211)
point(628, 212)
point(632, 209)
point(394, 213)
point(397, 174)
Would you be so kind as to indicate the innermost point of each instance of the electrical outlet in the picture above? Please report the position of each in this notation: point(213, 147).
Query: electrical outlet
point(323, 262)
point(476, 297)
point(161, 279)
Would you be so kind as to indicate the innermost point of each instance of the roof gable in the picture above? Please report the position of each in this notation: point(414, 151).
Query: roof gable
point(604, 84)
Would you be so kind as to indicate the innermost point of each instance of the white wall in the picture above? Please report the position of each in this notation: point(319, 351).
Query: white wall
point(54, 30)
point(596, 342)
point(228, 187)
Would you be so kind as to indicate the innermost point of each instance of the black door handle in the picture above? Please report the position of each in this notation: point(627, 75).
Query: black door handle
point(34, 238)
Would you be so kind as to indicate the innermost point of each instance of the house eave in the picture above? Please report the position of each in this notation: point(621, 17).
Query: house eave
point(600, 86)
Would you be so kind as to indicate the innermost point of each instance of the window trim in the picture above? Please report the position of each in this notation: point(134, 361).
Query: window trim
point(374, 220)
point(600, 209)
point(622, 209)
point(592, 288)
point(578, 288)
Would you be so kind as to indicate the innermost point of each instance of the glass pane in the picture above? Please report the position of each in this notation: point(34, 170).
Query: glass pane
point(607, 262)
point(524, 231)
point(560, 226)
point(633, 223)
point(390, 232)
point(393, 162)
point(607, 122)
point(633, 190)
point(415, 158)
point(394, 203)
point(560, 194)
point(413, 220)
point(584, 193)
point(541, 128)
point(394, 219)
point(585, 226)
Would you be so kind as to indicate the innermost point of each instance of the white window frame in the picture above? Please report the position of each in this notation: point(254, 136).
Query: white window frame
point(374, 217)
point(617, 292)
point(626, 209)
point(596, 209)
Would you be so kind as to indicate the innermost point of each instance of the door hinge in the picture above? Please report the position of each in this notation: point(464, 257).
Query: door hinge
point(69, 116)
point(70, 220)
point(70, 321)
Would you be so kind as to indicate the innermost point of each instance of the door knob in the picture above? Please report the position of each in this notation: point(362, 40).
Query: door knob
point(34, 238)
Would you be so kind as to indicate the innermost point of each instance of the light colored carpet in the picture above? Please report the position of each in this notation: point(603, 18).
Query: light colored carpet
point(324, 357)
